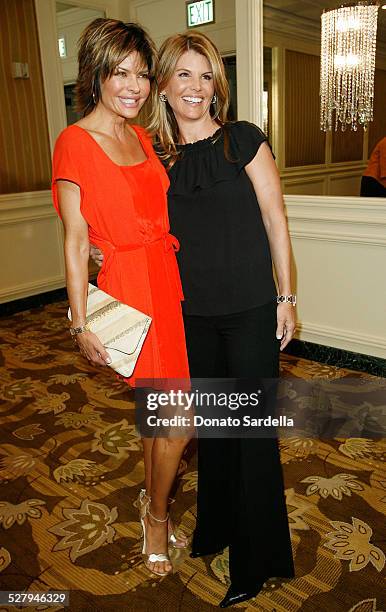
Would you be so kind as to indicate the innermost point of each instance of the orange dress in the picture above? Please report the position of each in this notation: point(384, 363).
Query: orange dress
point(126, 211)
point(376, 167)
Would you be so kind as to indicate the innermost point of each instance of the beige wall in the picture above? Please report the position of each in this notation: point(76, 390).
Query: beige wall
point(70, 25)
point(151, 14)
point(165, 17)
point(339, 247)
point(24, 148)
point(305, 143)
point(30, 246)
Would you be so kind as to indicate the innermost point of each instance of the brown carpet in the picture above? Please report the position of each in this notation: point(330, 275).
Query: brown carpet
point(71, 469)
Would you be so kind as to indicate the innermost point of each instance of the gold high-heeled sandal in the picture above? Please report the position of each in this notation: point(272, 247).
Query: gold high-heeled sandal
point(178, 541)
point(153, 557)
point(141, 502)
point(142, 499)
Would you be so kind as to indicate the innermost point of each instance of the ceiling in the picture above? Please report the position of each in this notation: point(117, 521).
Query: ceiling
point(307, 12)
point(311, 10)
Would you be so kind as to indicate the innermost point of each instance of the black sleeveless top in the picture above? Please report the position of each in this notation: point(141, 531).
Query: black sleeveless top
point(224, 256)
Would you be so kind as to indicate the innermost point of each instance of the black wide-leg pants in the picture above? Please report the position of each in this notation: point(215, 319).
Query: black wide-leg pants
point(240, 500)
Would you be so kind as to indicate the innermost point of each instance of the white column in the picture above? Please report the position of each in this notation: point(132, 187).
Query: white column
point(249, 59)
point(51, 68)
point(278, 106)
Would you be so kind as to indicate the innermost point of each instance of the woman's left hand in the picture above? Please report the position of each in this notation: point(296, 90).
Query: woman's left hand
point(286, 323)
point(96, 255)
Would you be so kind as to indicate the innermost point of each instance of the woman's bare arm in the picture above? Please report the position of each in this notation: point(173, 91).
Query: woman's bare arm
point(76, 254)
point(264, 176)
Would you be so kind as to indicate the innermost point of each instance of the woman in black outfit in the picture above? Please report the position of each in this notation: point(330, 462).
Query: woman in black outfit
point(226, 209)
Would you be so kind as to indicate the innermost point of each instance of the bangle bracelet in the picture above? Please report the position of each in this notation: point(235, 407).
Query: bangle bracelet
point(291, 299)
point(74, 331)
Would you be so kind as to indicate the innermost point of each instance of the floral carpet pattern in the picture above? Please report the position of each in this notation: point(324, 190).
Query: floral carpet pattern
point(71, 470)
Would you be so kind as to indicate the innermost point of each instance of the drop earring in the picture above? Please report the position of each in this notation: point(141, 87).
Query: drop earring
point(214, 99)
point(162, 97)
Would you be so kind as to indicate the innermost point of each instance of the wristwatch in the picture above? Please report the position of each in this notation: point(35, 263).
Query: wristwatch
point(74, 331)
point(291, 299)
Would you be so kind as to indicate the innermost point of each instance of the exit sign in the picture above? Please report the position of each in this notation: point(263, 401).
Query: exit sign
point(199, 13)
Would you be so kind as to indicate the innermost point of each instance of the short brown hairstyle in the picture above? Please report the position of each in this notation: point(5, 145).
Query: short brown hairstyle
point(163, 122)
point(103, 45)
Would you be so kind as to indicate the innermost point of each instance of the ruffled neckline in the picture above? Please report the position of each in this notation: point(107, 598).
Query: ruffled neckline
point(202, 164)
point(200, 144)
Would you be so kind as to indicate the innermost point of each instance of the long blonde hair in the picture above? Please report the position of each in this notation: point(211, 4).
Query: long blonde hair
point(163, 124)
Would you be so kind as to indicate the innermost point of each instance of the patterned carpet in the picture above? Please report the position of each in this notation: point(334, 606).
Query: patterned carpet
point(70, 471)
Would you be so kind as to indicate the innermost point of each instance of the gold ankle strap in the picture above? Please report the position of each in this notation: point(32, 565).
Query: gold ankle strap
point(155, 518)
point(143, 494)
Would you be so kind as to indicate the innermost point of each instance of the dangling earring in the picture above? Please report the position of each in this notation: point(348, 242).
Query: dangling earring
point(214, 99)
point(94, 97)
point(162, 97)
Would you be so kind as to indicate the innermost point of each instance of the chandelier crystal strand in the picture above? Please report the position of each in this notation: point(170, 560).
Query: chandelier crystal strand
point(347, 66)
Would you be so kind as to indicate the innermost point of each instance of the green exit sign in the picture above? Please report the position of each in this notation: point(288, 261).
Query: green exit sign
point(199, 13)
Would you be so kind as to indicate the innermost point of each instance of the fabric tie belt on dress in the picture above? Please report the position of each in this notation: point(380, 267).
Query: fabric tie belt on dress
point(109, 249)
point(170, 242)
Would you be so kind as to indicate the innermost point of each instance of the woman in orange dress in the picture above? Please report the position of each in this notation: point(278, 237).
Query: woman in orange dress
point(110, 189)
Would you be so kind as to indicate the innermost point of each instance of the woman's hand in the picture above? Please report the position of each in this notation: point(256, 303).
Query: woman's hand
point(91, 347)
point(286, 323)
point(96, 255)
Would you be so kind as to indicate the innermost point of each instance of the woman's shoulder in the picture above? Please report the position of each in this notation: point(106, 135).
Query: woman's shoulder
point(72, 132)
point(71, 137)
point(244, 129)
point(245, 139)
point(72, 152)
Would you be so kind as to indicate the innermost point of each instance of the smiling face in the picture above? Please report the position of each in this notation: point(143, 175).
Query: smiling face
point(190, 89)
point(126, 91)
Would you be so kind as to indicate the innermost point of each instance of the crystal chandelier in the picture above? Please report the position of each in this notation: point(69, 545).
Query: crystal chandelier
point(347, 65)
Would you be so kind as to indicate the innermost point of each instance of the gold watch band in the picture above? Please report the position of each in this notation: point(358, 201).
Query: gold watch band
point(74, 331)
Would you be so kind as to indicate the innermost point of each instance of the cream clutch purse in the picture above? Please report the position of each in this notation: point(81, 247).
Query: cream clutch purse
point(121, 328)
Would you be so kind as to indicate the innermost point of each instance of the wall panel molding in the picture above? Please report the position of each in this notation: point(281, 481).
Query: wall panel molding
point(363, 210)
point(26, 207)
point(339, 247)
point(31, 288)
point(341, 220)
point(347, 339)
point(31, 243)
